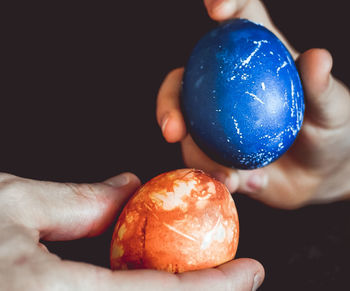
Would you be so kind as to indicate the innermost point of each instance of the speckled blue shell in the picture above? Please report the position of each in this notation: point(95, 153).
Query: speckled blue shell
point(242, 98)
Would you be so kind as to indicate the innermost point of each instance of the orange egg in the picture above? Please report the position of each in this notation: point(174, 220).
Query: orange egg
point(179, 221)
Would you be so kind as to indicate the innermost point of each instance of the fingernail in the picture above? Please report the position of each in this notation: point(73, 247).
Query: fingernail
point(164, 122)
point(118, 181)
point(256, 181)
point(257, 282)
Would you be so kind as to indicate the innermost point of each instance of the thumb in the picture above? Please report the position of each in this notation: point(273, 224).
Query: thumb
point(66, 211)
point(327, 100)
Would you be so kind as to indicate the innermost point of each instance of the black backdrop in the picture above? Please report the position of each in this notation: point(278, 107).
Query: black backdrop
point(78, 91)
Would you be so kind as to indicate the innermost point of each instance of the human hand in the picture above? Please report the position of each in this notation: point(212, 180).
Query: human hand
point(317, 166)
point(32, 210)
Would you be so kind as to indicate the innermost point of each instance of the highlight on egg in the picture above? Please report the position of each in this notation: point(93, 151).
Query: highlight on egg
point(179, 221)
point(242, 97)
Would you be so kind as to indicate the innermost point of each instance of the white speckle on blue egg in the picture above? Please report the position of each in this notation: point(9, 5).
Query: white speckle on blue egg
point(238, 131)
point(244, 76)
point(293, 99)
point(294, 131)
point(247, 60)
point(265, 136)
point(281, 67)
point(256, 98)
point(199, 82)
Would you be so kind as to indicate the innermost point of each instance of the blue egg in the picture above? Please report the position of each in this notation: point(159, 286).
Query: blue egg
point(242, 98)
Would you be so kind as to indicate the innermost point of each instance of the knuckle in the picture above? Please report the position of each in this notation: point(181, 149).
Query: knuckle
point(75, 189)
point(88, 192)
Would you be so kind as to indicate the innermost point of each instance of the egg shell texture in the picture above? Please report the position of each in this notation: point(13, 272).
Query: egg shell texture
point(242, 97)
point(179, 221)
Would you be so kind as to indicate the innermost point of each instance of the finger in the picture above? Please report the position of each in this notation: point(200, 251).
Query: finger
point(264, 184)
point(279, 184)
point(327, 100)
point(220, 10)
point(194, 157)
point(169, 114)
point(250, 182)
point(66, 211)
point(254, 10)
point(241, 274)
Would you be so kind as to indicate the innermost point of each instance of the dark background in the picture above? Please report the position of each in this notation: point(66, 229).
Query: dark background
point(78, 90)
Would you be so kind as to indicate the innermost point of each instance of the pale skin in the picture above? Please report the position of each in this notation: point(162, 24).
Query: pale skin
point(316, 169)
point(33, 210)
point(308, 173)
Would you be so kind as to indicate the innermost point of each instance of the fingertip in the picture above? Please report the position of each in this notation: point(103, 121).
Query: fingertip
point(259, 275)
point(173, 127)
point(257, 181)
point(315, 68)
point(164, 122)
point(220, 10)
point(123, 186)
point(124, 179)
point(168, 112)
point(230, 179)
point(326, 57)
point(253, 182)
point(245, 272)
point(133, 179)
point(119, 190)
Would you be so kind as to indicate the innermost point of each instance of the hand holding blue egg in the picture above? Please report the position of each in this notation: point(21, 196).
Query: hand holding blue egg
point(242, 97)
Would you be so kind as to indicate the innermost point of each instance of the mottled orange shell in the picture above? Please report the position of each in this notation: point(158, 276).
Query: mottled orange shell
point(179, 221)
